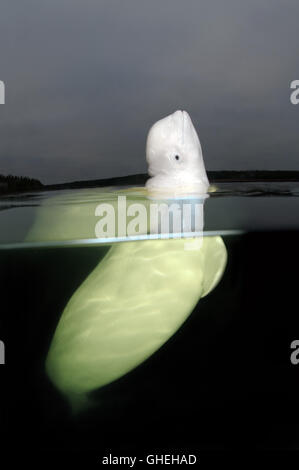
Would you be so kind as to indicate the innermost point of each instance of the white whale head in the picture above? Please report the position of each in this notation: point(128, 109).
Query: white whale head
point(174, 157)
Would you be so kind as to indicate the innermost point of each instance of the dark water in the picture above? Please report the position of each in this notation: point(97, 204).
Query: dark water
point(224, 381)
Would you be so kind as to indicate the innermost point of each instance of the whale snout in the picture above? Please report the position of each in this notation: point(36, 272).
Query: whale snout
point(182, 123)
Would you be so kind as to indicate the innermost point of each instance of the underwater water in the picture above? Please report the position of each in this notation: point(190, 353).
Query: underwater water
point(223, 380)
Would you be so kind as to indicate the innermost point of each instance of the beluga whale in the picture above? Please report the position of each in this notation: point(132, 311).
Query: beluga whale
point(174, 157)
point(141, 291)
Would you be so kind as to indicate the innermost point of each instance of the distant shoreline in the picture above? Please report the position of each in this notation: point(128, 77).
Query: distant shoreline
point(214, 177)
point(15, 184)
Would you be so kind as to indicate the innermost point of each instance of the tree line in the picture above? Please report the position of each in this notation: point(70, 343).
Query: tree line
point(11, 183)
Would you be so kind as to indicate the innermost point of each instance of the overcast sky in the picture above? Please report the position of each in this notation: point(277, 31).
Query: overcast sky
point(86, 79)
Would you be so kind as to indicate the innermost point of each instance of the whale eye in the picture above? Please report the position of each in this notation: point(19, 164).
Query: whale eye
point(177, 157)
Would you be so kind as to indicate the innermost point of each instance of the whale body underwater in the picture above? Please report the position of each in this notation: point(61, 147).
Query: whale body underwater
point(141, 292)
